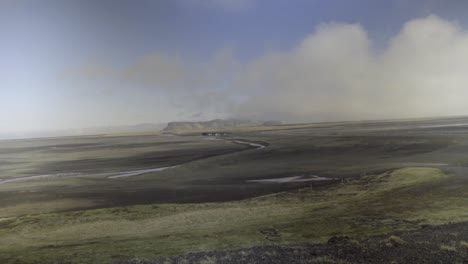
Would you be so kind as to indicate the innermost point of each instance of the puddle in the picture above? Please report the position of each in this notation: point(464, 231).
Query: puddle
point(212, 138)
point(80, 147)
point(138, 172)
point(293, 179)
point(258, 146)
point(168, 135)
point(114, 174)
point(41, 177)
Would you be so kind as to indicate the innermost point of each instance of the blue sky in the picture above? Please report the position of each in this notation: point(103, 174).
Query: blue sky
point(75, 64)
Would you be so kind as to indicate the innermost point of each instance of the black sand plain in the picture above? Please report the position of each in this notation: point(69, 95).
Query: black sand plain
point(217, 176)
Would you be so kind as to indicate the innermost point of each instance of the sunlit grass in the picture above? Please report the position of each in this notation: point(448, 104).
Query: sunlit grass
point(363, 207)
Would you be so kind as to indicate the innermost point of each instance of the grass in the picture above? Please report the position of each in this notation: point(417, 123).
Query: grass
point(394, 241)
point(448, 248)
point(370, 205)
point(37, 207)
point(32, 230)
point(464, 244)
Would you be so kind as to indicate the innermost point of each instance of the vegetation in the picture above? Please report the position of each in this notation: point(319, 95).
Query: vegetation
point(370, 205)
point(386, 177)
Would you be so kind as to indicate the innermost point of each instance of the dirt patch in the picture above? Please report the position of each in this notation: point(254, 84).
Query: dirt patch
point(429, 244)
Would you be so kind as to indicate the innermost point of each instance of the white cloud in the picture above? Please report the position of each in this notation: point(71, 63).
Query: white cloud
point(333, 74)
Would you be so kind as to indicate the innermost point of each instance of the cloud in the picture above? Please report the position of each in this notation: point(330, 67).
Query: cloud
point(160, 71)
point(333, 74)
point(316, 78)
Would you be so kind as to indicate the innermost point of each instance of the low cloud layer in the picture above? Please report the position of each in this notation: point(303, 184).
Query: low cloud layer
point(334, 74)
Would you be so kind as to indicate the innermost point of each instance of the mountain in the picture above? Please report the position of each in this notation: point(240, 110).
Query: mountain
point(216, 124)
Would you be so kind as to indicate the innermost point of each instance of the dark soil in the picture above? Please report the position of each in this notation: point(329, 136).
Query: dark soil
point(429, 244)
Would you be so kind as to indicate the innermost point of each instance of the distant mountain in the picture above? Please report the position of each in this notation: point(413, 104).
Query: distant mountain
point(141, 128)
point(216, 124)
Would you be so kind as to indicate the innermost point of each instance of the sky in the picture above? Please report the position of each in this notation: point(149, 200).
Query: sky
point(70, 64)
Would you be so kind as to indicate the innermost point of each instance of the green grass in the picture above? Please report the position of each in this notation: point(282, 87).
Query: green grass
point(367, 206)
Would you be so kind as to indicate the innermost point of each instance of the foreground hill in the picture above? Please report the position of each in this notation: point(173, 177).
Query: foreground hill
point(429, 244)
point(407, 199)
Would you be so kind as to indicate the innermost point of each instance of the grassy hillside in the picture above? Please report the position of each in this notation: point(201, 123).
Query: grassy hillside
point(371, 205)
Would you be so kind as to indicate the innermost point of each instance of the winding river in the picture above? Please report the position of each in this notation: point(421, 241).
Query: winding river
point(121, 174)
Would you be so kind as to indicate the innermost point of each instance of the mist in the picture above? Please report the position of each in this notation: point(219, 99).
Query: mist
point(336, 72)
point(333, 74)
